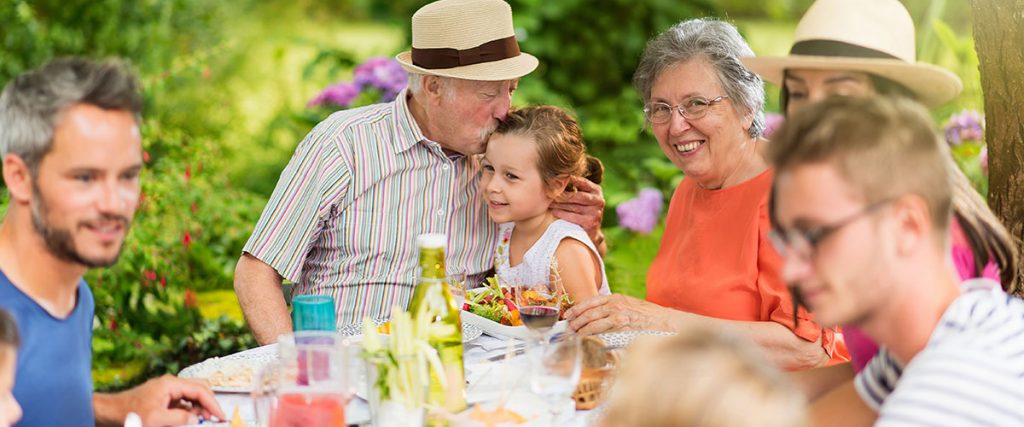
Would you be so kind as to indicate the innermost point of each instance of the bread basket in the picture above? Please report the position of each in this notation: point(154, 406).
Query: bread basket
point(598, 368)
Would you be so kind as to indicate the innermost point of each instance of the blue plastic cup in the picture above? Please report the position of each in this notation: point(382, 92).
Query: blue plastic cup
point(313, 313)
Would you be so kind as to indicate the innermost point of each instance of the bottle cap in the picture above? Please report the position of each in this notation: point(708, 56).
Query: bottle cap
point(431, 240)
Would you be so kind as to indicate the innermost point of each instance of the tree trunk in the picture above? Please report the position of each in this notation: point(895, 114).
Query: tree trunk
point(999, 40)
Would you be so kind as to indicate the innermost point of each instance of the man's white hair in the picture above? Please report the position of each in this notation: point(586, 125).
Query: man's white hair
point(447, 85)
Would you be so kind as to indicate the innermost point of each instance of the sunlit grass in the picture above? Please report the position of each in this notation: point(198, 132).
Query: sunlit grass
point(213, 304)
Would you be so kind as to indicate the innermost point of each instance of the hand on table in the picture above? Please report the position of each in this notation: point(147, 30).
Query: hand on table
point(584, 207)
point(170, 401)
point(610, 313)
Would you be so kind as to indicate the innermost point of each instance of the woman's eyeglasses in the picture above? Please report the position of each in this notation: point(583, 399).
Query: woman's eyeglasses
point(691, 109)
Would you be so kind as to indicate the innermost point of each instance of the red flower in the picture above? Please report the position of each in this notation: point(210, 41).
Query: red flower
point(188, 173)
point(195, 207)
point(113, 325)
point(163, 282)
point(190, 299)
point(150, 275)
point(145, 156)
point(186, 239)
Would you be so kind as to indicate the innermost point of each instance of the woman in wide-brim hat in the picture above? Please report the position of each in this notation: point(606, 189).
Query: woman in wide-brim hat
point(872, 38)
point(866, 48)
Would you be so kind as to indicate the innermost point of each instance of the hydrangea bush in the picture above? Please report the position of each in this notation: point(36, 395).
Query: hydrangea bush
point(642, 213)
point(378, 79)
point(965, 133)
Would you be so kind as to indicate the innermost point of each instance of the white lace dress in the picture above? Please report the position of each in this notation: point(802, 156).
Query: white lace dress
point(539, 261)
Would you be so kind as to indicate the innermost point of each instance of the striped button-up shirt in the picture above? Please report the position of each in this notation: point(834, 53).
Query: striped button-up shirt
point(346, 211)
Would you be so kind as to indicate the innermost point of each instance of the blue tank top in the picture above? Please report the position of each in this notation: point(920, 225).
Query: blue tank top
point(53, 378)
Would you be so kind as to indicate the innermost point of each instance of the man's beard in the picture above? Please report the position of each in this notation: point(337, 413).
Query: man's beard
point(61, 244)
point(485, 133)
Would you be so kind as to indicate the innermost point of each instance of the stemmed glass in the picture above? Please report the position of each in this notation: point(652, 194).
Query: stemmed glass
point(555, 372)
point(539, 306)
point(457, 286)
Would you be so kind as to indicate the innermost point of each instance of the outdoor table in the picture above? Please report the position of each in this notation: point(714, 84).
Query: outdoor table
point(477, 353)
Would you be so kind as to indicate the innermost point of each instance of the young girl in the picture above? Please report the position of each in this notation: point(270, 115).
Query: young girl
point(10, 411)
point(528, 163)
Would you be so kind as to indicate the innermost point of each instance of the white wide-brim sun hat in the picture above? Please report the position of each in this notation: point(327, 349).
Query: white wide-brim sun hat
point(871, 36)
point(466, 39)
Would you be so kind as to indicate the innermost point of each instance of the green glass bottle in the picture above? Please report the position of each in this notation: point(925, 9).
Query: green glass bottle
point(433, 298)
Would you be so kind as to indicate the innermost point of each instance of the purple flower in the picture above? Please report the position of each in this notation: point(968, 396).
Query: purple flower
point(381, 73)
point(773, 122)
point(341, 94)
point(967, 125)
point(641, 213)
point(983, 159)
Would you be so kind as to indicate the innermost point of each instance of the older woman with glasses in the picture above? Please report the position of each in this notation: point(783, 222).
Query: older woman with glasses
point(716, 264)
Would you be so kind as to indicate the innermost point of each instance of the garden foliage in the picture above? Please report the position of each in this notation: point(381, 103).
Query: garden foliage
point(190, 224)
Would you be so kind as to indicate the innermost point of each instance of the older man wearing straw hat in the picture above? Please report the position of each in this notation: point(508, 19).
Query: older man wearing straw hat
point(365, 182)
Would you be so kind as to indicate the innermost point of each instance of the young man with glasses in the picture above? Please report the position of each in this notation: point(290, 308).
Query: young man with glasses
point(862, 209)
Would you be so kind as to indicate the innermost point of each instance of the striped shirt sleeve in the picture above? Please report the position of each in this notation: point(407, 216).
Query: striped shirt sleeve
point(956, 387)
point(315, 179)
point(878, 379)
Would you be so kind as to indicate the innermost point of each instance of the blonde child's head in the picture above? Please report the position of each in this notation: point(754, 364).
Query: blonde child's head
point(701, 377)
point(10, 411)
point(559, 142)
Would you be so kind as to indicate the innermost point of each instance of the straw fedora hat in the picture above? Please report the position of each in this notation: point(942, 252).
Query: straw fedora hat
point(872, 36)
point(466, 39)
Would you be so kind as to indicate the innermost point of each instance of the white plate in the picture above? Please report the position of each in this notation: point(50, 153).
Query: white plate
point(233, 373)
point(624, 338)
point(469, 332)
point(496, 329)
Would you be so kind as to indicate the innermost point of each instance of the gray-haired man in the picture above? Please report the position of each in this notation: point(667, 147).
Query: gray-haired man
point(71, 160)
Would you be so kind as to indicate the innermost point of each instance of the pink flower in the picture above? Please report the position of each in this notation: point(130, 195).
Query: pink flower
point(773, 122)
point(385, 74)
point(967, 125)
point(341, 95)
point(983, 159)
point(641, 214)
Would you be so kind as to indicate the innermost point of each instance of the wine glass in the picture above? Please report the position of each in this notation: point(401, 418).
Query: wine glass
point(457, 286)
point(539, 306)
point(555, 372)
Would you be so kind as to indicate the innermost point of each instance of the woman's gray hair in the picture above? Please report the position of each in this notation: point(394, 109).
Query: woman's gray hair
point(32, 103)
point(721, 45)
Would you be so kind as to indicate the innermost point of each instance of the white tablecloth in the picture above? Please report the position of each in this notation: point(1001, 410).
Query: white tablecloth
point(488, 381)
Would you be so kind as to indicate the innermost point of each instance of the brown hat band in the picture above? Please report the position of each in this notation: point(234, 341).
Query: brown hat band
point(440, 58)
point(820, 47)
